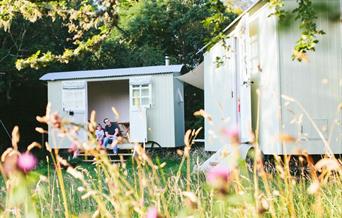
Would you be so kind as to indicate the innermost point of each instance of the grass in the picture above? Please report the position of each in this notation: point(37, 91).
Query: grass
point(165, 184)
point(238, 200)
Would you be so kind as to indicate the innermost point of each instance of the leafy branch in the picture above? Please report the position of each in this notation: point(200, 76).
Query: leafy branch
point(309, 38)
point(221, 16)
point(307, 17)
point(88, 22)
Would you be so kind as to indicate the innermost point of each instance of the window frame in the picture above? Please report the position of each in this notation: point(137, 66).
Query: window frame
point(139, 97)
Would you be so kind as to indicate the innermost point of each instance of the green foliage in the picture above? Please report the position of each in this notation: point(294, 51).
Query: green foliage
point(161, 187)
point(221, 16)
point(22, 40)
point(173, 27)
point(308, 40)
point(306, 14)
point(35, 36)
point(149, 30)
point(278, 6)
point(87, 22)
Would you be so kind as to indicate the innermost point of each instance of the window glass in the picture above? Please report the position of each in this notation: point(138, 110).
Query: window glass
point(136, 102)
point(141, 95)
point(136, 93)
point(145, 92)
point(145, 101)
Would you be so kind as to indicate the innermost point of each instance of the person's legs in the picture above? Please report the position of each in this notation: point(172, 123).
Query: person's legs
point(114, 145)
point(115, 149)
point(106, 141)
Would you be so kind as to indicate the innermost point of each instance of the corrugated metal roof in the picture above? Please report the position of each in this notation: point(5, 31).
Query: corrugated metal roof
point(134, 71)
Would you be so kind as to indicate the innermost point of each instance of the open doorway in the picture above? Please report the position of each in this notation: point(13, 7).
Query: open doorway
point(103, 95)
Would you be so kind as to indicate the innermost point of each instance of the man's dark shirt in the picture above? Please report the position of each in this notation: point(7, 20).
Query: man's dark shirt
point(111, 129)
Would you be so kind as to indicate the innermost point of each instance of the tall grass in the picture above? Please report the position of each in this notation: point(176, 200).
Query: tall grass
point(146, 186)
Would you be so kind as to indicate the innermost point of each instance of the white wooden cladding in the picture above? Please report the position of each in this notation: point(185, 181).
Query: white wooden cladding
point(138, 126)
point(316, 85)
point(244, 86)
point(74, 96)
point(140, 80)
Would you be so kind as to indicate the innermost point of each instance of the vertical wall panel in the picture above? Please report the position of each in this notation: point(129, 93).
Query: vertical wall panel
point(160, 117)
point(55, 98)
point(315, 84)
point(178, 95)
point(268, 83)
point(219, 101)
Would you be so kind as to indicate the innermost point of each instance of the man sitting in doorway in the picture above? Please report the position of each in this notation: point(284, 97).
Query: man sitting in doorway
point(111, 134)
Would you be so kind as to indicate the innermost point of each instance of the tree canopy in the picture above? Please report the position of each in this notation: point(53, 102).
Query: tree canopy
point(86, 22)
point(83, 24)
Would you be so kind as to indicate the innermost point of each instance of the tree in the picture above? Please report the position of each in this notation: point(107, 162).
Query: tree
point(88, 23)
point(41, 33)
point(173, 27)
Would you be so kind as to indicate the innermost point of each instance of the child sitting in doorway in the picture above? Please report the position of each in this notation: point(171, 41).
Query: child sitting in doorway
point(99, 134)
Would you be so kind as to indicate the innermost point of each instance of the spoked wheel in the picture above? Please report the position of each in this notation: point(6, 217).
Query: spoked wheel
point(250, 158)
point(153, 144)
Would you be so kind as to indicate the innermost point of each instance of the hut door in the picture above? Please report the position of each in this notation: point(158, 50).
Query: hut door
point(140, 94)
point(138, 125)
point(244, 99)
point(74, 104)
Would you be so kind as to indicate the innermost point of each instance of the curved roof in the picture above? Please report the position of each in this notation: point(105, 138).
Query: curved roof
point(134, 71)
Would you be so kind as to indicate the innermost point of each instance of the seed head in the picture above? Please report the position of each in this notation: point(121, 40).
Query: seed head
point(56, 120)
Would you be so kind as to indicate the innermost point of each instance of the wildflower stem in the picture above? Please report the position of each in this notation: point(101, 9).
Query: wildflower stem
point(61, 183)
point(188, 172)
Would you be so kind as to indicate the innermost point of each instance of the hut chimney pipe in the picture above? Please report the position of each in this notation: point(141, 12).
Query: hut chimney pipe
point(167, 60)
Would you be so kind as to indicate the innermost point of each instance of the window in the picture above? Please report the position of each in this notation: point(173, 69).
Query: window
point(74, 96)
point(141, 95)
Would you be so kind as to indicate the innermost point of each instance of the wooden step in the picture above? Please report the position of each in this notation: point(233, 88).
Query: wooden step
point(112, 161)
point(121, 154)
point(108, 154)
point(114, 158)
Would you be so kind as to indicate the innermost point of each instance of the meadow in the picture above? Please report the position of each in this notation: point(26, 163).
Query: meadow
point(163, 184)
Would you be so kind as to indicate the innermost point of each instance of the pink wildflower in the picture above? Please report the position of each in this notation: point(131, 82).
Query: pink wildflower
point(26, 162)
point(219, 177)
point(73, 150)
point(233, 134)
point(152, 212)
point(218, 174)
